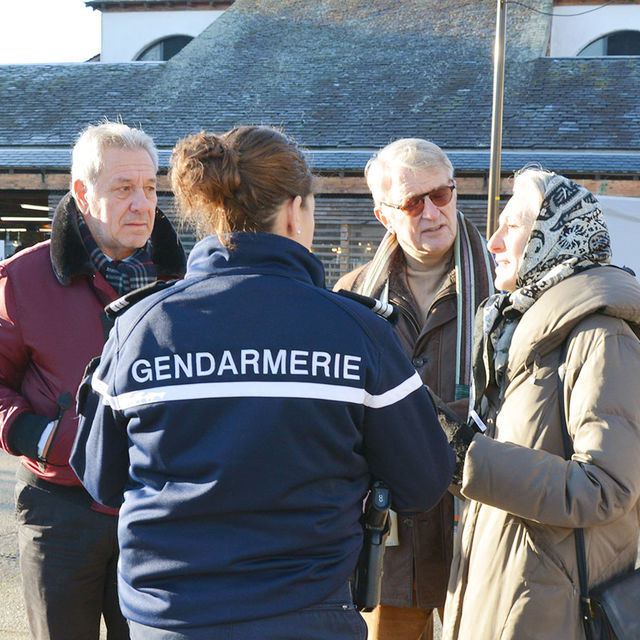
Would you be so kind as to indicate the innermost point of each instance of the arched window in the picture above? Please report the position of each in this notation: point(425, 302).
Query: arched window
point(165, 48)
point(618, 43)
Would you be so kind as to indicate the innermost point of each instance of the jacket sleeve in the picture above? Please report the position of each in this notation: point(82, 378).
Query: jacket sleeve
point(20, 428)
point(404, 443)
point(100, 455)
point(602, 480)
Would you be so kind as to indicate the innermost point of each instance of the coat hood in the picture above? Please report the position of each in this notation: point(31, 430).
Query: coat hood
point(545, 325)
point(263, 253)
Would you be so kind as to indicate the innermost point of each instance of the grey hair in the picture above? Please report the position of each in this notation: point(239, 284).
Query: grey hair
point(409, 153)
point(89, 149)
point(534, 177)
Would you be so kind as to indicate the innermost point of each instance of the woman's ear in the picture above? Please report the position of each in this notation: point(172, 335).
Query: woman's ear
point(294, 217)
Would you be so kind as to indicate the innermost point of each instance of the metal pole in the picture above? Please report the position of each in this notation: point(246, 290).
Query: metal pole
point(493, 210)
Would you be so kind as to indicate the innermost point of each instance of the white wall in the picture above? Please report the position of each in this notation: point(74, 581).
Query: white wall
point(571, 35)
point(622, 216)
point(125, 34)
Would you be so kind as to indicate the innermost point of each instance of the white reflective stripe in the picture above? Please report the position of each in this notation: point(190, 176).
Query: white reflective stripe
point(310, 390)
point(99, 386)
point(394, 395)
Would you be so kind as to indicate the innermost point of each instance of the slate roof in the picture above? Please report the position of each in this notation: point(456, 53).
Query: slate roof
point(345, 77)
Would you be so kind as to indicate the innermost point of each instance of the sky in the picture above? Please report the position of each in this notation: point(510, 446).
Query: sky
point(35, 31)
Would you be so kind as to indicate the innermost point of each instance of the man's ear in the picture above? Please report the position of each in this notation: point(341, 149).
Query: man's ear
point(80, 196)
point(382, 219)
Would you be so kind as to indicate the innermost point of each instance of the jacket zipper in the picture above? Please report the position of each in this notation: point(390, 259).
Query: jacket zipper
point(409, 316)
point(64, 401)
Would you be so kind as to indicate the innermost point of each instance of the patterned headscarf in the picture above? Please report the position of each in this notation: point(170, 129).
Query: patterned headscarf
point(568, 235)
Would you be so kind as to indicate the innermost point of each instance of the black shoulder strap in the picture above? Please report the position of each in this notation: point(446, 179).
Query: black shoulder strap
point(566, 438)
point(581, 555)
point(123, 303)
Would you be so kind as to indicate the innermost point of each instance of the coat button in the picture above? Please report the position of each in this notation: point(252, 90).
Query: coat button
point(418, 362)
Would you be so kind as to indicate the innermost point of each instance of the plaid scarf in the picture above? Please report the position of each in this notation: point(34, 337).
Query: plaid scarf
point(568, 235)
point(125, 275)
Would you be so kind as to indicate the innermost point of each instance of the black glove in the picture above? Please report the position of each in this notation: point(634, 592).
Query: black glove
point(25, 433)
point(459, 434)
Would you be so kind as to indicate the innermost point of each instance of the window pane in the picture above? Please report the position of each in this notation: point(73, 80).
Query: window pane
point(165, 49)
point(174, 45)
point(596, 48)
point(624, 43)
point(620, 43)
point(152, 53)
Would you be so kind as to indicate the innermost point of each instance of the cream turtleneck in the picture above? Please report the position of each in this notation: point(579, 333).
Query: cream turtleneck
point(426, 280)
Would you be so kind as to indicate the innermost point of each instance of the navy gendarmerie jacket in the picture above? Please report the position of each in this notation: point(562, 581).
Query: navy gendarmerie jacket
point(240, 413)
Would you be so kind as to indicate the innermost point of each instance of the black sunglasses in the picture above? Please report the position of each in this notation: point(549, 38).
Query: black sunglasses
point(414, 206)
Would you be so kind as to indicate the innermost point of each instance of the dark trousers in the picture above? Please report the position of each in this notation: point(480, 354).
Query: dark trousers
point(334, 619)
point(68, 556)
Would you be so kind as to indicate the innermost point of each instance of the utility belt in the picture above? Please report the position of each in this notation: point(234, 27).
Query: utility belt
point(76, 494)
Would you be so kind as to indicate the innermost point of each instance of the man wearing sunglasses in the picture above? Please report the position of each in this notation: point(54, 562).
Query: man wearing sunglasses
point(434, 267)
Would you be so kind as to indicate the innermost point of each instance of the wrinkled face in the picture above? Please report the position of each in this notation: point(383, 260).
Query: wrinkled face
point(429, 235)
point(120, 208)
point(509, 241)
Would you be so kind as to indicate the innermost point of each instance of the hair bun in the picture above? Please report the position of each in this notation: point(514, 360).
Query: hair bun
point(237, 181)
point(220, 163)
point(208, 165)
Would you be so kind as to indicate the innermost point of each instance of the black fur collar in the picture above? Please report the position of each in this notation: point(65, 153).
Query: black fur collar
point(69, 257)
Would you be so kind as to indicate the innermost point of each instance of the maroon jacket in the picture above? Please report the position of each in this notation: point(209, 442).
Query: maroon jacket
point(52, 323)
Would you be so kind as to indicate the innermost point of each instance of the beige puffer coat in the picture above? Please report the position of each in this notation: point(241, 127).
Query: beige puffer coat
point(514, 574)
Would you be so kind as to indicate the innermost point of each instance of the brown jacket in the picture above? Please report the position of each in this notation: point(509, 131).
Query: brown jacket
point(425, 540)
point(515, 576)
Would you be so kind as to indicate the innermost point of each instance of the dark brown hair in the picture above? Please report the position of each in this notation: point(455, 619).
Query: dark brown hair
point(236, 181)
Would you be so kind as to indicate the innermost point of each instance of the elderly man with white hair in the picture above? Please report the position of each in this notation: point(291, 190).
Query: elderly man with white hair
point(108, 237)
point(433, 265)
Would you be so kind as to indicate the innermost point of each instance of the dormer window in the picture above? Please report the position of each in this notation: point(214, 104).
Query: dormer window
point(164, 49)
point(618, 43)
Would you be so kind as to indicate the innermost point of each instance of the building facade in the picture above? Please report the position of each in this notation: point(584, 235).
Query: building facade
point(344, 77)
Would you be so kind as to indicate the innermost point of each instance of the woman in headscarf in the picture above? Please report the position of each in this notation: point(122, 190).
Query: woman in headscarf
point(565, 320)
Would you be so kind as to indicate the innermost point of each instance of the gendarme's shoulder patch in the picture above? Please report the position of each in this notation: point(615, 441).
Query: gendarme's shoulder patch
point(383, 309)
point(128, 300)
